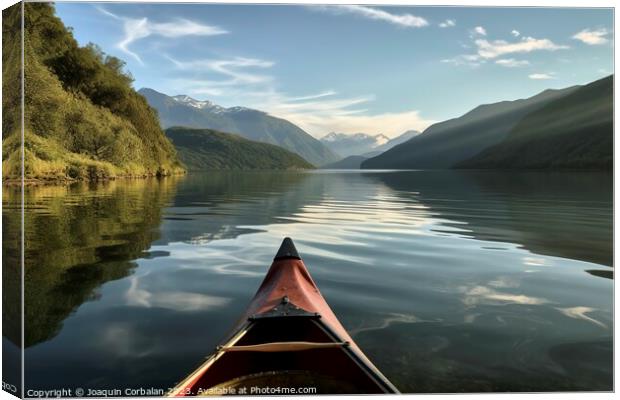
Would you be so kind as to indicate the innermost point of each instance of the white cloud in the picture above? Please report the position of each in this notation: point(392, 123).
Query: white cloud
point(515, 33)
point(542, 76)
point(447, 23)
point(480, 31)
point(315, 96)
point(496, 48)
point(511, 62)
point(592, 37)
point(140, 28)
point(493, 49)
point(471, 60)
point(403, 20)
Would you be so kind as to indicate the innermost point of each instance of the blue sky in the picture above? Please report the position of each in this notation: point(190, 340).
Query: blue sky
point(350, 68)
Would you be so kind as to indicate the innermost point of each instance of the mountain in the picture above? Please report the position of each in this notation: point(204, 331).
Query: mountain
point(574, 131)
point(252, 124)
point(355, 161)
point(351, 162)
point(205, 149)
point(353, 144)
point(447, 143)
point(82, 118)
point(363, 144)
point(402, 138)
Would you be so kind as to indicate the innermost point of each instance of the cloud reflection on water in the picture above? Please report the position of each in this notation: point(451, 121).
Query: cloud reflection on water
point(177, 301)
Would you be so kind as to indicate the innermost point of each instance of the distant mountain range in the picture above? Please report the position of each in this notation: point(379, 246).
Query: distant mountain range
point(357, 144)
point(574, 131)
point(445, 144)
point(251, 124)
point(557, 128)
point(351, 144)
point(206, 149)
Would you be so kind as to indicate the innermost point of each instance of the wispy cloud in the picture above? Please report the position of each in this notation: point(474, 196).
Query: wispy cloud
point(234, 70)
point(316, 113)
point(315, 96)
point(470, 60)
point(447, 23)
point(402, 20)
point(246, 81)
point(592, 37)
point(542, 76)
point(496, 48)
point(135, 29)
point(511, 62)
point(487, 50)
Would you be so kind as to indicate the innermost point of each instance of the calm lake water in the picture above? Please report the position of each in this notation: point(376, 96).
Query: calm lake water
point(449, 281)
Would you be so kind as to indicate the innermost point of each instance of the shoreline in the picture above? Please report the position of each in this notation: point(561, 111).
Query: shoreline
point(12, 182)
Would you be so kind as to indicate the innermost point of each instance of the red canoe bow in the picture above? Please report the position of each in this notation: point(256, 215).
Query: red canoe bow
point(289, 341)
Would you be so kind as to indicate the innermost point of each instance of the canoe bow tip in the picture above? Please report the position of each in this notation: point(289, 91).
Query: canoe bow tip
point(287, 250)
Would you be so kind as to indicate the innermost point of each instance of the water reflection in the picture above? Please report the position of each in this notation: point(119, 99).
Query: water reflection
point(450, 281)
point(565, 214)
point(11, 293)
point(77, 238)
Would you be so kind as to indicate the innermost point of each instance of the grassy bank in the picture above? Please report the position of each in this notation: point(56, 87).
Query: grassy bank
point(82, 118)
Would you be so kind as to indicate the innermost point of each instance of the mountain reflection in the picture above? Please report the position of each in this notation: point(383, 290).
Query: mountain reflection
point(562, 214)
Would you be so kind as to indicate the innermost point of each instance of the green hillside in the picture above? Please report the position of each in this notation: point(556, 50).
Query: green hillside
point(205, 149)
point(351, 162)
point(575, 131)
point(251, 124)
point(447, 143)
point(83, 120)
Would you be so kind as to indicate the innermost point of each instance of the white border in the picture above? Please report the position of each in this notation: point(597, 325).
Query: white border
point(471, 3)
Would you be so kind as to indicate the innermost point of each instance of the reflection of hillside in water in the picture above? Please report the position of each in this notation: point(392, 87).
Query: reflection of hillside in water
point(11, 271)
point(563, 214)
point(80, 237)
point(76, 239)
point(11, 293)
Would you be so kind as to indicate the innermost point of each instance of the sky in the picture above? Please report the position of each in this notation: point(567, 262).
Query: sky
point(350, 68)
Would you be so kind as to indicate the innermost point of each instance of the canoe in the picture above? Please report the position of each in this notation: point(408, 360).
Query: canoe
point(288, 341)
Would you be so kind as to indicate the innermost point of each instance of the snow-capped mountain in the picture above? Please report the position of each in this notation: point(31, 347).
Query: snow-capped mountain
point(346, 144)
point(190, 101)
point(183, 110)
point(402, 138)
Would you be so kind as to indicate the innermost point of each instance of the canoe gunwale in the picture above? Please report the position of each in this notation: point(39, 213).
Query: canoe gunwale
point(195, 376)
point(372, 371)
